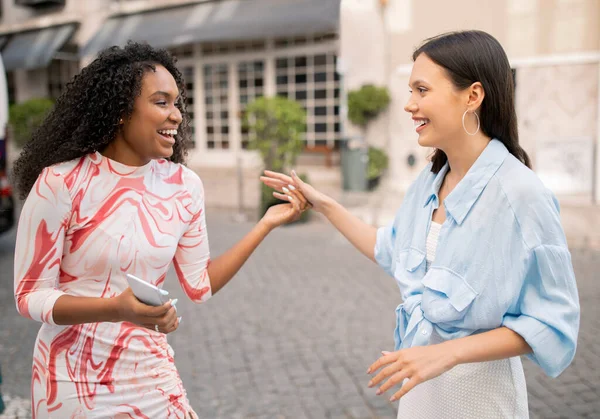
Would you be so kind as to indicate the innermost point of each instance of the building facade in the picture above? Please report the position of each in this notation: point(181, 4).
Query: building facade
point(232, 51)
point(553, 47)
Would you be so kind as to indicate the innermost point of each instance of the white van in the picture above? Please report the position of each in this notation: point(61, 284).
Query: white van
point(7, 203)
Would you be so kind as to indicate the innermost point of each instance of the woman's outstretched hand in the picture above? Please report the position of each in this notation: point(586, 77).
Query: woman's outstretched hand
point(286, 186)
point(415, 365)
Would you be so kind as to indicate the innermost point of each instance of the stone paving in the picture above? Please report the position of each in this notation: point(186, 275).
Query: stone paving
point(293, 334)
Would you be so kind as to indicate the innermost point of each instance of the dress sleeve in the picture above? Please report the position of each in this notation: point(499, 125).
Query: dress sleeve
point(547, 314)
point(39, 247)
point(193, 256)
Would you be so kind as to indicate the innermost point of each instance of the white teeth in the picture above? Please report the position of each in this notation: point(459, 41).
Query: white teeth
point(171, 132)
point(419, 122)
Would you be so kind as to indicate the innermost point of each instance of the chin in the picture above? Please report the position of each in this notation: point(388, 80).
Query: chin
point(423, 142)
point(164, 153)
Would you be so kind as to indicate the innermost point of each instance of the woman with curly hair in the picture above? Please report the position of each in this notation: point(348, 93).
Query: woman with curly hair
point(107, 195)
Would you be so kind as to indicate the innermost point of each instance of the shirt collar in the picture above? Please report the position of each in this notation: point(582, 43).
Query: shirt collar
point(462, 198)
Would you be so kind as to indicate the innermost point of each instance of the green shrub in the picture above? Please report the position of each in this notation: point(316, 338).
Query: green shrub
point(366, 103)
point(378, 162)
point(24, 118)
point(276, 125)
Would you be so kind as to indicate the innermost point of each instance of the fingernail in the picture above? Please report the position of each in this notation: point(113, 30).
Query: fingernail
point(378, 392)
point(286, 190)
point(393, 399)
point(291, 198)
point(370, 383)
point(294, 173)
point(385, 353)
point(291, 187)
point(369, 371)
point(179, 319)
point(173, 302)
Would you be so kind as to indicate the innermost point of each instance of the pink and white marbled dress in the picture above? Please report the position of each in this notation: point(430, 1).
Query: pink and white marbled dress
point(85, 224)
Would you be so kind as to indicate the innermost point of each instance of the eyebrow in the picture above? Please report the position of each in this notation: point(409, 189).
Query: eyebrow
point(161, 93)
point(419, 81)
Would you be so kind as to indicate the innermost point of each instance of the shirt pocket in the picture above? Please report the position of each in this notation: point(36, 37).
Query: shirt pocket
point(409, 269)
point(446, 296)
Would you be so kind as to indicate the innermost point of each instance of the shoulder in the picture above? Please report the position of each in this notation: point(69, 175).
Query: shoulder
point(180, 175)
point(534, 206)
point(57, 176)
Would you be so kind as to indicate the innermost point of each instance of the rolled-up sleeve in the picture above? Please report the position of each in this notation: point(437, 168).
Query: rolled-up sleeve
point(384, 246)
point(547, 314)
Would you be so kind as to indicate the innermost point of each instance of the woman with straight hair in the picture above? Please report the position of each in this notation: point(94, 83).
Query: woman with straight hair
point(477, 248)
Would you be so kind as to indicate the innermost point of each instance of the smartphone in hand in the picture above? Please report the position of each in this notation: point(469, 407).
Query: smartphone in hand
point(146, 292)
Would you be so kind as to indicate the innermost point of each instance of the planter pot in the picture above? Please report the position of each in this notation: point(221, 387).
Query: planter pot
point(354, 161)
point(372, 184)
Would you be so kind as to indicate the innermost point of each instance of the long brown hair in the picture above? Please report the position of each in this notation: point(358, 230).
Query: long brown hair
point(476, 56)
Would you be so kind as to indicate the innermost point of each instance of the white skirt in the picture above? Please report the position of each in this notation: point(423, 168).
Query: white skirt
point(483, 390)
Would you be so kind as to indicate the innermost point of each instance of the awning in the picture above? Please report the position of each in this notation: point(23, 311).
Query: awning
point(34, 49)
point(218, 21)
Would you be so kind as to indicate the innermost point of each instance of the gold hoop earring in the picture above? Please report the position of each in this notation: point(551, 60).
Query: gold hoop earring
point(463, 123)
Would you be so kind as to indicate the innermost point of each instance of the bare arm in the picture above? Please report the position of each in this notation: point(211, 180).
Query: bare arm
point(496, 344)
point(76, 310)
point(422, 363)
point(362, 235)
point(69, 310)
point(223, 268)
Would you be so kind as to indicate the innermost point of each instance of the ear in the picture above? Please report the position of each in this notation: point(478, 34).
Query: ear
point(476, 95)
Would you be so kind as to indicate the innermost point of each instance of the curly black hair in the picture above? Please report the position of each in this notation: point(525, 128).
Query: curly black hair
point(85, 118)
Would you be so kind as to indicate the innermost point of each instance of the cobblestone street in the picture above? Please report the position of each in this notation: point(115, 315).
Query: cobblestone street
point(293, 334)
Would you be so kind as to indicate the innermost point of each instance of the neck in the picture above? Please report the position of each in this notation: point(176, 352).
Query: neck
point(463, 154)
point(119, 151)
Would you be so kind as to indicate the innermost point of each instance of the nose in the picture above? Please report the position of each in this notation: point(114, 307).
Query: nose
point(411, 106)
point(175, 116)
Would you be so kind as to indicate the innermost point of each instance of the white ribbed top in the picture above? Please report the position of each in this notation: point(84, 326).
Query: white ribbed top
point(432, 239)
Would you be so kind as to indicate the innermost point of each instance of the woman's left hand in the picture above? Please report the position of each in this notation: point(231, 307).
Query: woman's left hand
point(417, 364)
point(286, 213)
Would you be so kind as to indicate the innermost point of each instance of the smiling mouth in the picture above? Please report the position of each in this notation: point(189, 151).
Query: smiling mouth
point(168, 135)
point(420, 123)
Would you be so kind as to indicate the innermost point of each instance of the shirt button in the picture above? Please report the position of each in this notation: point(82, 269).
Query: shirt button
point(424, 332)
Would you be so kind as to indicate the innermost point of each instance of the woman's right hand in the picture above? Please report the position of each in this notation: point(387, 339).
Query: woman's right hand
point(132, 310)
point(279, 181)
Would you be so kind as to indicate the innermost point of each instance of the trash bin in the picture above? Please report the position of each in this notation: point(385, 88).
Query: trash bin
point(354, 162)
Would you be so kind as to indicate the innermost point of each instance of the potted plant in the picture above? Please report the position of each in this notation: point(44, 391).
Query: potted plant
point(364, 105)
point(275, 126)
point(24, 118)
point(378, 163)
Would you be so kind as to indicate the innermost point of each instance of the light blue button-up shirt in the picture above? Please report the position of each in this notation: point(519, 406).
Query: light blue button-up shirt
point(502, 260)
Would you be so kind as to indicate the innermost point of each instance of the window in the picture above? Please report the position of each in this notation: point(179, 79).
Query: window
point(312, 81)
point(216, 99)
point(222, 48)
point(60, 72)
point(182, 51)
point(251, 85)
point(188, 77)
